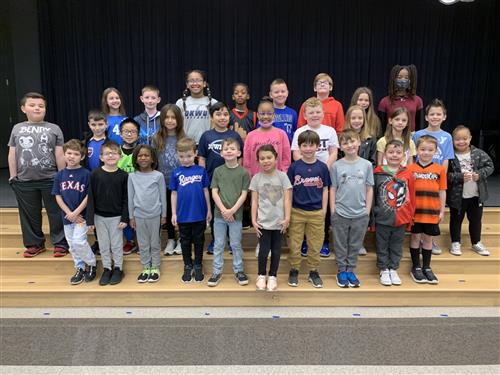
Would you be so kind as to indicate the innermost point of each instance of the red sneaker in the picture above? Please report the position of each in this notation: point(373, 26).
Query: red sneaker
point(33, 251)
point(59, 251)
point(129, 247)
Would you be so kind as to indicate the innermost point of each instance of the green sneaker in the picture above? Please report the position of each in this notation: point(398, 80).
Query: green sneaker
point(154, 275)
point(144, 276)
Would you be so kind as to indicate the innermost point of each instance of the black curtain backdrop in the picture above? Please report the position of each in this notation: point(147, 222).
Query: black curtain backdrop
point(87, 46)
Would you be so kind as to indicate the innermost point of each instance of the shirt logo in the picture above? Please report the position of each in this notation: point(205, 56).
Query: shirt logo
point(308, 181)
point(186, 180)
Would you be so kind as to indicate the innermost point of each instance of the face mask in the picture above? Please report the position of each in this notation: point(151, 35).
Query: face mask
point(402, 84)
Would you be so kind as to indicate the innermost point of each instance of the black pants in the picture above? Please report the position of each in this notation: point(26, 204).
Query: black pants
point(474, 211)
point(29, 195)
point(170, 227)
point(270, 239)
point(192, 234)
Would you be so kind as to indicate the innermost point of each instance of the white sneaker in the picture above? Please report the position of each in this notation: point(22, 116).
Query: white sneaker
point(480, 249)
point(385, 278)
point(261, 282)
point(178, 249)
point(395, 280)
point(272, 284)
point(169, 249)
point(362, 251)
point(456, 248)
point(436, 250)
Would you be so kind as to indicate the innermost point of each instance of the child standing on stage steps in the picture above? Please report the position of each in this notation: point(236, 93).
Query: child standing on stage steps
point(195, 103)
point(70, 189)
point(165, 141)
point(190, 207)
point(147, 207)
point(271, 206)
point(241, 119)
point(285, 118)
point(35, 155)
point(112, 105)
point(393, 211)
point(467, 190)
point(149, 120)
point(430, 197)
point(363, 97)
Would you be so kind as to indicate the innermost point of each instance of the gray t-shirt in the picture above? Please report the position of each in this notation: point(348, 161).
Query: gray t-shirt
point(35, 145)
point(167, 159)
point(351, 179)
point(147, 195)
point(196, 116)
point(271, 190)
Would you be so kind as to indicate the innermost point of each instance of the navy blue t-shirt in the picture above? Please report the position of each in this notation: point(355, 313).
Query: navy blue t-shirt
point(72, 185)
point(94, 153)
point(189, 183)
point(308, 181)
point(210, 147)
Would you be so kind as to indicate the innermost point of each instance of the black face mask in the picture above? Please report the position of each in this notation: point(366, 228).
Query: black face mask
point(402, 84)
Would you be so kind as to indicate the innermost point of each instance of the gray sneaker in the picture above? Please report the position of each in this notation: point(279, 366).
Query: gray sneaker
point(436, 250)
point(215, 279)
point(315, 279)
point(480, 249)
point(293, 277)
point(362, 251)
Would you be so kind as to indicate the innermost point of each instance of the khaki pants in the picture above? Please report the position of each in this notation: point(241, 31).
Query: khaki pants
point(310, 223)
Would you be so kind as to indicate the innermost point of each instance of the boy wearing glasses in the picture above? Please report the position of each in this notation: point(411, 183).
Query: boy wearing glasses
point(334, 113)
point(107, 211)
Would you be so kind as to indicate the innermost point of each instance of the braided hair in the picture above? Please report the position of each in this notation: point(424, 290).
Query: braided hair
point(206, 90)
point(412, 75)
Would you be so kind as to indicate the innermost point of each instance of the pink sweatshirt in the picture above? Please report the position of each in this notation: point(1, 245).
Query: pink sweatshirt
point(257, 138)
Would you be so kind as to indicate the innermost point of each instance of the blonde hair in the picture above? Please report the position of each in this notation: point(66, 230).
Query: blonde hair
point(406, 131)
point(372, 120)
point(313, 102)
point(150, 88)
point(185, 145)
point(320, 76)
point(363, 134)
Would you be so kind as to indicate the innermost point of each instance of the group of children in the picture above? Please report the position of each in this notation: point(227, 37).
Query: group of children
point(193, 164)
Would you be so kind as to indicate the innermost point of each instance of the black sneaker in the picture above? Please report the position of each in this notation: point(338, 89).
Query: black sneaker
point(418, 276)
point(293, 277)
point(78, 277)
point(315, 279)
point(90, 274)
point(188, 274)
point(429, 275)
point(117, 276)
point(95, 248)
point(154, 275)
point(241, 278)
point(105, 277)
point(214, 279)
point(198, 274)
point(144, 275)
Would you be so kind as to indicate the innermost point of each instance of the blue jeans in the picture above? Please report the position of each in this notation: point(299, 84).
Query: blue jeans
point(220, 230)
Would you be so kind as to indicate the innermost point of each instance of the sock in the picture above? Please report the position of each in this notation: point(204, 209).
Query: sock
point(415, 257)
point(426, 258)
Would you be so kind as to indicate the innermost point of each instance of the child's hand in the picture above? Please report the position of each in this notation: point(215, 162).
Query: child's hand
point(441, 216)
point(174, 220)
point(163, 221)
point(80, 220)
point(467, 176)
point(209, 216)
point(242, 133)
point(475, 177)
point(332, 210)
point(284, 225)
point(257, 227)
point(132, 223)
point(71, 216)
point(122, 225)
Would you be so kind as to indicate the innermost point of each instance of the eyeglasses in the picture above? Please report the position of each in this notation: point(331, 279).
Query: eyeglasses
point(110, 153)
point(269, 114)
point(129, 132)
point(323, 83)
point(193, 81)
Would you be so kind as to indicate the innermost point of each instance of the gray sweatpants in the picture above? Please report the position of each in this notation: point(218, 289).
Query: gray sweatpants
point(148, 237)
point(389, 243)
point(348, 236)
point(110, 241)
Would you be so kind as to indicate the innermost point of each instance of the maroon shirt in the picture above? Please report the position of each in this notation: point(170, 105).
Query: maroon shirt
point(412, 104)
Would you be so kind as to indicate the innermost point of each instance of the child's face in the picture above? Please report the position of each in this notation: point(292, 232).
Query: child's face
point(109, 156)
point(394, 156)
point(357, 120)
point(308, 150)
point(150, 99)
point(34, 109)
point(363, 100)
point(279, 94)
point(314, 115)
point(144, 159)
point(186, 158)
point(267, 161)
point(403, 74)
point(266, 115)
point(195, 83)
point(323, 86)
point(113, 100)
point(435, 117)
point(129, 133)
point(426, 151)
point(73, 158)
point(240, 95)
point(98, 127)
point(230, 151)
point(220, 119)
point(400, 122)
point(461, 140)
point(170, 122)
point(350, 147)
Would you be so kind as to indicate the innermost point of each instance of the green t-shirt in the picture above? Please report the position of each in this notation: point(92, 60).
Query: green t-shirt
point(125, 162)
point(230, 182)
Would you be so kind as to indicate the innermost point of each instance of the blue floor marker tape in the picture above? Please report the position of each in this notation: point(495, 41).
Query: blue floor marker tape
point(443, 315)
point(129, 312)
point(276, 316)
point(356, 315)
point(46, 313)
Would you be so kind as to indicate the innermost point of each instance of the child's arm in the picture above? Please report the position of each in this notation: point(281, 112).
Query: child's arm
point(485, 169)
point(286, 153)
point(202, 161)
point(288, 209)
point(332, 158)
point(369, 198)
point(445, 165)
point(296, 155)
point(173, 202)
point(130, 197)
point(255, 206)
point(209, 208)
point(409, 161)
point(442, 199)
point(12, 163)
point(61, 163)
point(163, 199)
point(239, 202)
point(70, 215)
point(333, 192)
point(124, 219)
point(380, 157)
point(223, 210)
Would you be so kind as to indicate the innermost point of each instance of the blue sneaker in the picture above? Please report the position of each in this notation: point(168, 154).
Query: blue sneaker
point(342, 280)
point(325, 251)
point(353, 280)
point(210, 248)
point(303, 250)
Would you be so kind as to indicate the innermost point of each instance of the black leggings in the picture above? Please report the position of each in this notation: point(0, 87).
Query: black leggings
point(169, 225)
point(474, 211)
point(192, 234)
point(270, 239)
